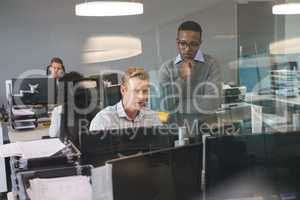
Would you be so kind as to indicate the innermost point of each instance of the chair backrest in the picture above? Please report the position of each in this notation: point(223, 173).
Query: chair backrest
point(79, 107)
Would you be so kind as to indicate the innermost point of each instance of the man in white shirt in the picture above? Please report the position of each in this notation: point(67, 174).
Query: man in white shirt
point(131, 110)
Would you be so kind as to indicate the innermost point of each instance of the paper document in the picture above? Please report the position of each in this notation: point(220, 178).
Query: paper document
point(102, 183)
point(8, 150)
point(256, 119)
point(22, 112)
point(62, 188)
point(32, 149)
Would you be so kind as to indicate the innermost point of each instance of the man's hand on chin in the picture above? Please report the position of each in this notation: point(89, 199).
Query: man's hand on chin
point(185, 69)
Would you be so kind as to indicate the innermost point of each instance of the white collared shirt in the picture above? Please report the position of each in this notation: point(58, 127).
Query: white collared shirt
point(115, 117)
point(198, 58)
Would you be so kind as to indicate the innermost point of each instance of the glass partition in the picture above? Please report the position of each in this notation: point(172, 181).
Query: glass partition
point(249, 73)
point(256, 55)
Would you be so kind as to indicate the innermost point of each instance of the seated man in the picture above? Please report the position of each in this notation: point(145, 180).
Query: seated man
point(56, 69)
point(131, 110)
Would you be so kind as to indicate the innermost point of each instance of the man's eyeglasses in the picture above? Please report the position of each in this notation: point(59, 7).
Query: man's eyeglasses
point(192, 45)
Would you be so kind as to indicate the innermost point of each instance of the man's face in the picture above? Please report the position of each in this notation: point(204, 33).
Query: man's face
point(188, 43)
point(56, 70)
point(135, 93)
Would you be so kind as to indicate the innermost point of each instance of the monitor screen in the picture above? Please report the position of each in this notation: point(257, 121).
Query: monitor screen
point(261, 166)
point(33, 91)
point(168, 174)
point(81, 101)
point(86, 94)
point(99, 146)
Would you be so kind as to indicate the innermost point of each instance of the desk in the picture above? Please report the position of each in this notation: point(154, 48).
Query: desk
point(13, 136)
point(27, 135)
point(251, 97)
point(243, 119)
point(280, 113)
point(292, 101)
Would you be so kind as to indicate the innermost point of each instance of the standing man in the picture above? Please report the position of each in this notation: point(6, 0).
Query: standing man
point(130, 111)
point(190, 81)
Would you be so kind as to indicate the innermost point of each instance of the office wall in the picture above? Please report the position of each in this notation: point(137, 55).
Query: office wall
point(32, 32)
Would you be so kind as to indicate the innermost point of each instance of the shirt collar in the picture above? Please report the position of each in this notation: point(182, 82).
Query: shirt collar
point(122, 114)
point(198, 58)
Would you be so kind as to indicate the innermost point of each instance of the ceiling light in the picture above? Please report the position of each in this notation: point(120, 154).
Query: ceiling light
point(110, 48)
point(109, 8)
point(286, 9)
point(288, 46)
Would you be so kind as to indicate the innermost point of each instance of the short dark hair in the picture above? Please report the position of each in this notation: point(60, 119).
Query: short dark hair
point(190, 26)
point(57, 60)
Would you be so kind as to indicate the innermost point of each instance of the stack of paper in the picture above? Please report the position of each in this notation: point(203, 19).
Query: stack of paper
point(63, 188)
point(102, 183)
point(32, 149)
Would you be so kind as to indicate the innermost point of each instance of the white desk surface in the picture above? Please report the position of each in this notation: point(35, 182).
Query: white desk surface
point(27, 135)
point(295, 101)
point(255, 97)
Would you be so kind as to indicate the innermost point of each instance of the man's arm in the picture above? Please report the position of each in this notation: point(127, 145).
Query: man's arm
point(171, 73)
point(185, 69)
point(214, 77)
point(210, 99)
point(164, 74)
point(167, 84)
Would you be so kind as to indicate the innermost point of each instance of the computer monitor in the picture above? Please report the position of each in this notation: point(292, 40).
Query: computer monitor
point(168, 174)
point(86, 94)
point(112, 95)
point(99, 146)
point(81, 101)
point(264, 166)
point(33, 91)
